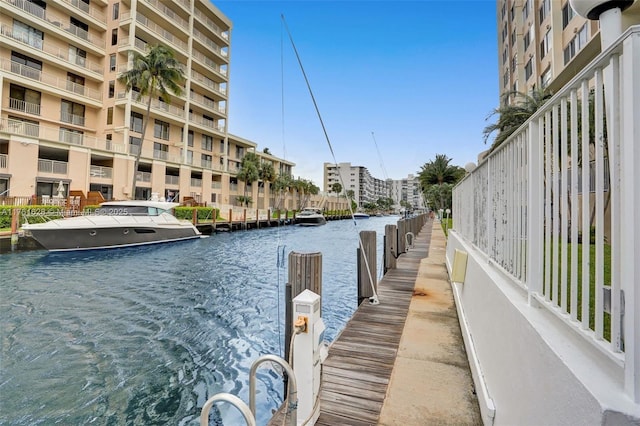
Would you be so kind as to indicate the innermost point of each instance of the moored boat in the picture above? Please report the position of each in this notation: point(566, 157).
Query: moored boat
point(310, 216)
point(360, 215)
point(115, 224)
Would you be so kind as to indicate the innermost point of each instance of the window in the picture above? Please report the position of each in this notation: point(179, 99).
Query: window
point(528, 69)
point(527, 39)
point(189, 157)
point(77, 56)
point(71, 112)
point(504, 56)
point(513, 38)
point(109, 138)
point(25, 66)
point(206, 160)
point(23, 99)
point(109, 115)
point(505, 79)
point(545, 8)
point(567, 14)
point(27, 34)
point(207, 143)
point(525, 10)
point(161, 130)
point(221, 146)
point(115, 12)
point(514, 62)
point(112, 88)
point(136, 122)
point(190, 138)
point(239, 152)
point(112, 62)
point(545, 44)
point(545, 78)
point(577, 43)
point(114, 36)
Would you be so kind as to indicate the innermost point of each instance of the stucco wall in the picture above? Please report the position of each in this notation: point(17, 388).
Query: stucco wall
point(537, 371)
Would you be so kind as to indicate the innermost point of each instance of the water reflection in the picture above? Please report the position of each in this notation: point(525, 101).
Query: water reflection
point(145, 335)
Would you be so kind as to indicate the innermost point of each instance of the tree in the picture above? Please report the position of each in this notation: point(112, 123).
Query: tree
point(266, 172)
point(512, 115)
point(281, 185)
point(266, 151)
point(336, 187)
point(438, 172)
point(156, 74)
point(249, 171)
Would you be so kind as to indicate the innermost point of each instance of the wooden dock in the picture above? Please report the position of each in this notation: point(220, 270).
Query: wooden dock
point(356, 373)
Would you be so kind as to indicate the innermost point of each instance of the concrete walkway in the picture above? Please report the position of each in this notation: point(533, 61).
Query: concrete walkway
point(431, 381)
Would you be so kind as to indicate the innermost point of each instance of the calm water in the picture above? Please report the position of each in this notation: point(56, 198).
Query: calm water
point(144, 336)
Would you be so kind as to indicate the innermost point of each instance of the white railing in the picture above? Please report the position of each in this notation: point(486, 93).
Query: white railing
point(161, 32)
point(101, 172)
point(3, 161)
point(26, 107)
point(88, 9)
point(174, 18)
point(210, 24)
point(197, 183)
point(48, 79)
point(52, 166)
point(55, 134)
point(155, 103)
point(143, 176)
point(552, 223)
point(50, 49)
point(56, 20)
point(206, 81)
point(172, 180)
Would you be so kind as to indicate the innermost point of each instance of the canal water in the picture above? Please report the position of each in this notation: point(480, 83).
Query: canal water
point(143, 336)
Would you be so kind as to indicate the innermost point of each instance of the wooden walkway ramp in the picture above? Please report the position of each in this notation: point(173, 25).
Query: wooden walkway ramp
point(356, 373)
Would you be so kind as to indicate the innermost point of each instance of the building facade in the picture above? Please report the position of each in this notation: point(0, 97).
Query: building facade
point(365, 187)
point(65, 117)
point(544, 43)
point(406, 193)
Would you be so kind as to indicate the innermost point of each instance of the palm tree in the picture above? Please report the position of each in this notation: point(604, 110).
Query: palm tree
point(438, 172)
point(512, 115)
point(156, 74)
point(336, 187)
point(249, 170)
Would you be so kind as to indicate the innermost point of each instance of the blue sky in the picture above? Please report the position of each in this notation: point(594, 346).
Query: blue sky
point(420, 75)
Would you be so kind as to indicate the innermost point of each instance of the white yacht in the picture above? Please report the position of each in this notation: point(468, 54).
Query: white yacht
point(114, 224)
point(310, 216)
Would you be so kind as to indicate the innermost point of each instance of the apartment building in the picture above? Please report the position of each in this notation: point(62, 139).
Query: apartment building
point(365, 187)
point(65, 118)
point(544, 43)
point(406, 192)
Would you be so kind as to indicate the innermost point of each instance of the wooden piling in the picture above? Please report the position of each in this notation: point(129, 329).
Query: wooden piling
point(15, 224)
point(390, 247)
point(305, 273)
point(367, 282)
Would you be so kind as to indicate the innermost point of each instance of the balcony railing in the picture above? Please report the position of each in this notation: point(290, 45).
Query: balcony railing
point(198, 35)
point(206, 81)
point(196, 183)
point(48, 79)
point(216, 185)
point(143, 176)
point(52, 166)
point(88, 9)
point(160, 155)
point(172, 180)
point(56, 20)
point(161, 32)
point(26, 107)
point(155, 104)
point(101, 172)
point(205, 122)
point(55, 134)
point(210, 24)
point(67, 117)
point(175, 19)
point(3, 161)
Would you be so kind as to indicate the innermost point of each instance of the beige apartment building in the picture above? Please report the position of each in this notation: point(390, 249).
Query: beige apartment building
point(65, 118)
point(544, 43)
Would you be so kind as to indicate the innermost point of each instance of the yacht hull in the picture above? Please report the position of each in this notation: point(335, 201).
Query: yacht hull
point(111, 237)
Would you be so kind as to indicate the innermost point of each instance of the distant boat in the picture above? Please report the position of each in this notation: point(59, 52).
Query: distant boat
point(360, 215)
point(114, 224)
point(310, 216)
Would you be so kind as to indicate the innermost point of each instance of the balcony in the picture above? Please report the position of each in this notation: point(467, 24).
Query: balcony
point(169, 14)
point(52, 166)
point(172, 180)
point(55, 20)
point(160, 155)
point(205, 122)
point(207, 82)
point(55, 134)
point(3, 161)
point(143, 176)
point(94, 12)
point(53, 51)
point(75, 119)
point(178, 44)
point(155, 104)
point(212, 45)
point(216, 185)
point(208, 23)
point(26, 107)
point(197, 183)
point(209, 63)
point(101, 172)
point(34, 74)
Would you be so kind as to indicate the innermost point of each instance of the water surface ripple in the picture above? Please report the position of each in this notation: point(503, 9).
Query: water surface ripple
point(143, 336)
